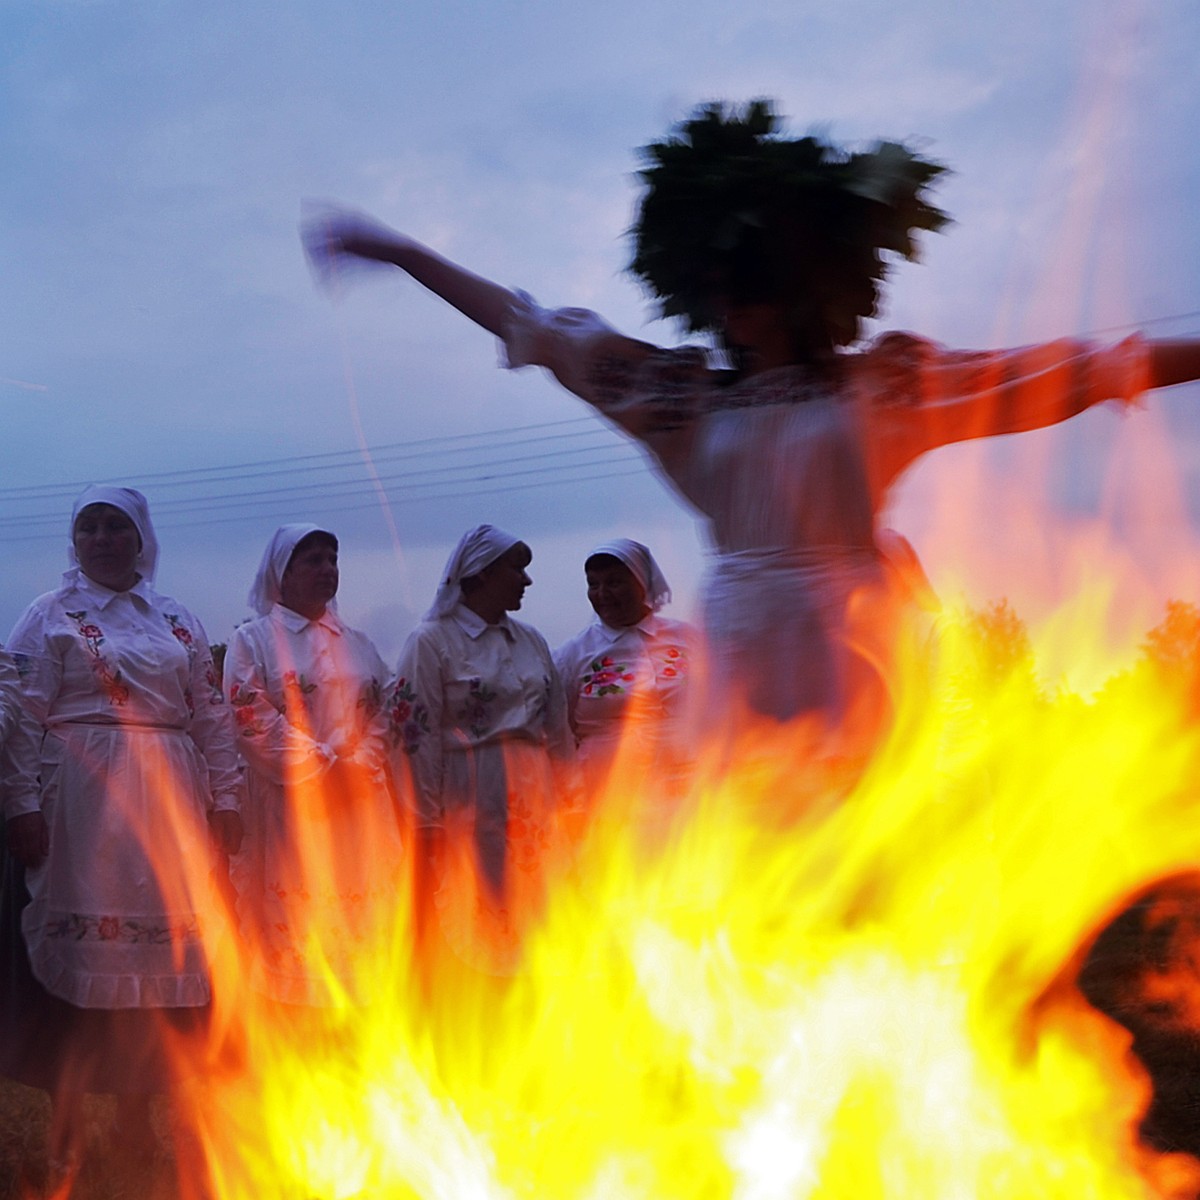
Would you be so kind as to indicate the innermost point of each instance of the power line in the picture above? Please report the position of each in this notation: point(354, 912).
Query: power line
point(418, 447)
point(370, 502)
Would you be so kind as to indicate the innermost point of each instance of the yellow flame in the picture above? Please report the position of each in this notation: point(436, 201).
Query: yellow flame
point(810, 980)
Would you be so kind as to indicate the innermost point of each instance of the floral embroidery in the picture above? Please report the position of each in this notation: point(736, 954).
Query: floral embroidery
point(83, 927)
point(609, 378)
point(476, 713)
point(297, 693)
point(605, 676)
point(408, 720)
point(786, 386)
point(370, 698)
point(181, 632)
point(298, 683)
point(675, 663)
point(242, 700)
point(109, 677)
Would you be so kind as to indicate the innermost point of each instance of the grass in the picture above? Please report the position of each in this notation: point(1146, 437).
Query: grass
point(104, 1173)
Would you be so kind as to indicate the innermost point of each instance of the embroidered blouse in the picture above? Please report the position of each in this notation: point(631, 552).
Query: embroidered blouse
point(610, 674)
point(301, 690)
point(87, 655)
point(462, 685)
point(787, 460)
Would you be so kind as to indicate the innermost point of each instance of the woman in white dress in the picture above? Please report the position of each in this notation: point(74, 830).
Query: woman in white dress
point(133, 773)
point(320, 867)
point(778, 247)
point(479, 712)
point(625, 675)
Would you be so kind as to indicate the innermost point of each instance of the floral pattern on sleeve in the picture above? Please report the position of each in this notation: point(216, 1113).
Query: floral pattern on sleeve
point(244, 717)
point(408, 718)
point(370, 700)
point(108, 676)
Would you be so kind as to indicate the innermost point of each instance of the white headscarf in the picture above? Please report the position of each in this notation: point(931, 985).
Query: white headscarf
point(476, 549)
point(264, 592)
point(133, 504)
point(645, 570)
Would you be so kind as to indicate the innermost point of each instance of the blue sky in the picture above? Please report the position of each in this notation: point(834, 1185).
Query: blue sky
point(159, 319)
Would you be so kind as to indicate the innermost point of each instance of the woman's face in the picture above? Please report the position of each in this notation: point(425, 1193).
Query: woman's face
point(503, 582)
point(311, 579)
point(761, 330)
point(107, 545)
point(614, 592)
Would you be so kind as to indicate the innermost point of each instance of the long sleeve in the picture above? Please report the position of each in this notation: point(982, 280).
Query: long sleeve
point(560, 740)
point(40, 669)
point(371, 711)
point(10, 695)
point(416, 711)
point(652, 393)
point(20, 739)
point(273, 746)
point(920, 396)
point(566, 664)
point(212, 720)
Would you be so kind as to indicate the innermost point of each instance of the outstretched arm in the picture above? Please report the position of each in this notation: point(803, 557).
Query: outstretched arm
point(333, 237)
point(1174, 361)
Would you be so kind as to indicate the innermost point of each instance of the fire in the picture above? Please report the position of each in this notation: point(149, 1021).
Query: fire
point(806, 981)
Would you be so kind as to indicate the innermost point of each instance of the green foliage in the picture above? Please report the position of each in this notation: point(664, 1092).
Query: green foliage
point(734, 207)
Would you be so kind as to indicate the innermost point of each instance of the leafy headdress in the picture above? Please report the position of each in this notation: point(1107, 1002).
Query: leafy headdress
point(733, 209)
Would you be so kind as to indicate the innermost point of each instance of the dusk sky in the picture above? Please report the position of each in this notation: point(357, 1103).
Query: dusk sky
point(161, 328)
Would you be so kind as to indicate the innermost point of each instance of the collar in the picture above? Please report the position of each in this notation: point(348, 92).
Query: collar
point(297, 623)
point(648, 626)
point(474, 626)
point(100, 596)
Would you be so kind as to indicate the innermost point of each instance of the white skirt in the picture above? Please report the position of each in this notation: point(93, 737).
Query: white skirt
point(118, 908)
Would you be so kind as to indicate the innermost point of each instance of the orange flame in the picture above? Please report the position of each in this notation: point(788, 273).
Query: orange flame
point(809, 981)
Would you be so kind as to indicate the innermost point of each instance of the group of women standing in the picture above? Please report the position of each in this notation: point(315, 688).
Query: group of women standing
point(131, 784)
point(124, 753)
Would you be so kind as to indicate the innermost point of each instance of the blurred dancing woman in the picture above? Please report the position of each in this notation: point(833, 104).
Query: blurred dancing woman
point(779, 247)
point(479, 709)
point(626, 674)
point(319, 870)
point(137, 768)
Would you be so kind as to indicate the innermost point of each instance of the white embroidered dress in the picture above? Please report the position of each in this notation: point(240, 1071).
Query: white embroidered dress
point(626, 691)
point(319, 871)
point(137, 748)
point(480, 711)
point(791, 470)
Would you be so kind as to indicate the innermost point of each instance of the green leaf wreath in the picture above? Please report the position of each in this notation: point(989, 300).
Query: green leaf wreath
point(732, 207)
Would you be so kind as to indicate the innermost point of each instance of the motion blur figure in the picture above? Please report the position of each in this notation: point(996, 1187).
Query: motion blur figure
point(789, 441)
